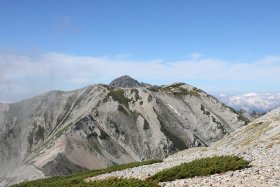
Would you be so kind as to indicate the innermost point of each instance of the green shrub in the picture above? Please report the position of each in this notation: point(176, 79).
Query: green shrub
point(183, 92)
point(201, 167)
point(118, 95)
point(176, 85)
point(154, 89)
point(116, 182)
point(77, 180)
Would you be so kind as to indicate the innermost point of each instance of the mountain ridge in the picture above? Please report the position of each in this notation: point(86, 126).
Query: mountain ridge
point(107, 125)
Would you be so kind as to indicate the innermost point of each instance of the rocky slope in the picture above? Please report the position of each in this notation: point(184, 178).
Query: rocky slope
point(250, 115)
point(58, 133)
point(258, 142)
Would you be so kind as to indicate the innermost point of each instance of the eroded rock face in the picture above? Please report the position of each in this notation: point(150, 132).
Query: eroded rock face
point(100, 125)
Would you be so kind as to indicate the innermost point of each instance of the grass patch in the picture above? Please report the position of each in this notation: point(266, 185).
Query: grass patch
point(201, 167)
point(176, 90)
point(118, 95)
point(183, 92)
point(77, 180)
point(116, 182)
point(154, 89)
point(177, 85)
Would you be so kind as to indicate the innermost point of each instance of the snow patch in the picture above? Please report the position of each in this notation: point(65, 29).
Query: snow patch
point(174, 109)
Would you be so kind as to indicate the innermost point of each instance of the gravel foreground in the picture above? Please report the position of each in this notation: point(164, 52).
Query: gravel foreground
point(258, 142)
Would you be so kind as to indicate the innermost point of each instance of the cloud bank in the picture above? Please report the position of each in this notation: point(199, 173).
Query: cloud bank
point(23, 76)
point(253, 101)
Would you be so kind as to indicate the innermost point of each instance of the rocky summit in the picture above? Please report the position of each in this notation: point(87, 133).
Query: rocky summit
point(125, 82)
point(59, 133)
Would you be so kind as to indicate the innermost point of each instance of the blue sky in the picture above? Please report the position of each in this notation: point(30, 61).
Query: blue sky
point(224, 47)
point(151, 29)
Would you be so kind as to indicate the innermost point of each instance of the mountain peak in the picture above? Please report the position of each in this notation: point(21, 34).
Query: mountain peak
point(125, 82)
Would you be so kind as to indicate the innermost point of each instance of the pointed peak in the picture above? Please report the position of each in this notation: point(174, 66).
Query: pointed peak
point(125, 76)
point(125, 82)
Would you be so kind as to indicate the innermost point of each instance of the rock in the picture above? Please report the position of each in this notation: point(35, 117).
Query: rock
point(125, 82)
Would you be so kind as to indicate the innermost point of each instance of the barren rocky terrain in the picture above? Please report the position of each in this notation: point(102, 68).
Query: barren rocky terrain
point(258, 142)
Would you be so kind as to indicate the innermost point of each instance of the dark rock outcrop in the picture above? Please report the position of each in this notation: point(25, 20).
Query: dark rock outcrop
point(125, 82)
point(61, 165)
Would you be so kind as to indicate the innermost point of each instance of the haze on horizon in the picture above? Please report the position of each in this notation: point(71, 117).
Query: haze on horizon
point(227, 48)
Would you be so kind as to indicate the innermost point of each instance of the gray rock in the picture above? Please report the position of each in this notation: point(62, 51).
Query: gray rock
point(125, 82)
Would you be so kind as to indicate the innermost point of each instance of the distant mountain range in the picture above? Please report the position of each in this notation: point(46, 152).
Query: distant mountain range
point(59, 133)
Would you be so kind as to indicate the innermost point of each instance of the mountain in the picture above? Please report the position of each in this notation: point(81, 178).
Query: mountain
point(257, 142)
point(59, 133)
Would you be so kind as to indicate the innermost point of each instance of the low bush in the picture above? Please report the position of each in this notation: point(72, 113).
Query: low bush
point(120, 182)
point(118, 95)
point(201, 167)
point(77, 180)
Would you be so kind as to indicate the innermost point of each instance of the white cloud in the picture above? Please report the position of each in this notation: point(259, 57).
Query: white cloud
point(254, 101)
point(250, 95)
point(23, 76)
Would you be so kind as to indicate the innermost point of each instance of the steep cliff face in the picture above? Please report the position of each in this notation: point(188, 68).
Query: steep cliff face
point(62, 132)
